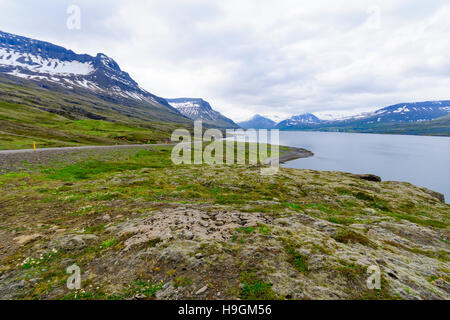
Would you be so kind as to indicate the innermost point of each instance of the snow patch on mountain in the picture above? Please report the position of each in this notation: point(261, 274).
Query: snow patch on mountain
point(45, 62)
point(406, 112)
point(196, 109)
point(303, 119)
point(402, 109)
point(33, 63)
point(199, 109)
point(399, 113)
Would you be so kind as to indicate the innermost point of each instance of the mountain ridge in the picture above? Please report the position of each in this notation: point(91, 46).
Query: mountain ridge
point(258, 122)
point(305, 118)
point(55, 97)
point(43, 61)
point(199, 109)
point(424, 118)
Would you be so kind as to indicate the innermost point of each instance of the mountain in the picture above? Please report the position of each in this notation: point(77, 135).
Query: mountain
point(258, 122)
point(55, 97)
point(300, 120)
point(405, 112)
point(38, 60)
point(56, 68)
point(422, 118)
point(199, 109)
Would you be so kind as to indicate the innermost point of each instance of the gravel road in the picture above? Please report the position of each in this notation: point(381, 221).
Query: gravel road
point(18, 160)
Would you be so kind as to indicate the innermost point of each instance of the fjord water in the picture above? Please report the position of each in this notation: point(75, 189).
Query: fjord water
point(420, 160)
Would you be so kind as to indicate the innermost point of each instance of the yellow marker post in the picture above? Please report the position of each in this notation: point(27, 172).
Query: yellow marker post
point(34, 146)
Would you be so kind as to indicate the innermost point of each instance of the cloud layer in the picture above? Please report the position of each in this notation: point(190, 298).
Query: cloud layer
point(276, 58)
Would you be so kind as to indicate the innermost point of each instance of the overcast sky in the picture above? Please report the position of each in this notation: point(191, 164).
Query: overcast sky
point(277, 58)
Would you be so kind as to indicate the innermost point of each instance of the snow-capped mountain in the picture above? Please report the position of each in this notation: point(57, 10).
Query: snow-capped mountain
point(405, 112)
point(397, 118)
point(303, 119)
point(45, 62)
point(258, 122)
point(199, 109)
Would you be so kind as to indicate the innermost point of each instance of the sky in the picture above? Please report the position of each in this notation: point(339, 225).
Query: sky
point(277, 58)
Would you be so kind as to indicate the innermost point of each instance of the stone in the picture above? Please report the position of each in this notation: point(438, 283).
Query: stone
point(369, 211)
point(72, 242)
point(204, 224)
point(435, 195)
point(19, 285)
point(188, 235)
point(202, 290)
point(316, 262)
point(35, 280)
point(166, 293)
point(116, 180)
point(199, 255)
point(23, 240)
point(368, 177)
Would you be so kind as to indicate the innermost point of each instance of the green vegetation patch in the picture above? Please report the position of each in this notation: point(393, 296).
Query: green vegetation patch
point(349, 236)
point(254, 288)
point(298, 260)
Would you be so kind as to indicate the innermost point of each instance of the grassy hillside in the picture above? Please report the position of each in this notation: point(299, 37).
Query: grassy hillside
point(53, 116)
point(141, 227)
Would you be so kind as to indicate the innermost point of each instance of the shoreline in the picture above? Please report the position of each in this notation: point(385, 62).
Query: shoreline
point(293, 153)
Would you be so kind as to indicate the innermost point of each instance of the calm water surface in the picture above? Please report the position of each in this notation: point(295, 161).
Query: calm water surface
point(423, 161)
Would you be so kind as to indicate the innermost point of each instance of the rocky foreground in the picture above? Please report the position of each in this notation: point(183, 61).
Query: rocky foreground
point(141, 228)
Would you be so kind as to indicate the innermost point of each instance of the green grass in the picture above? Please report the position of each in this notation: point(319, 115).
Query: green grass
point(298, 260)
point(242, 233)
point(53, 118)
point(92, 168)
point(50, 130)
point(83, 171)
point(253, 288)
point(182, 282)
point(422, 222)
point(108, 243)
point(76, 195)
point(341, 220)
point(147, 288)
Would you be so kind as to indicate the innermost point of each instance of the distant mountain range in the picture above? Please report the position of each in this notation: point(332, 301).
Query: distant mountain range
point(53, 79)
point(299, 121)
point(199, 109)
point(258, 122)
point(422, 118)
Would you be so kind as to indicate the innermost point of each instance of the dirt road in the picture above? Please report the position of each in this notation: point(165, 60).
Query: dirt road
point(18, 160)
